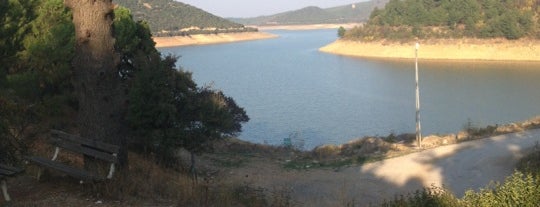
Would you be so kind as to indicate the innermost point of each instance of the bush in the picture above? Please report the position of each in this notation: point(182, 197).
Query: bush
point(530, 163)
point(427, 197)
point(341, 32)
point(518, 190)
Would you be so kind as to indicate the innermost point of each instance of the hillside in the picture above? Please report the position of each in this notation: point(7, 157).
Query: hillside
point(169, 17)
point(315, 15)
point(443, 19)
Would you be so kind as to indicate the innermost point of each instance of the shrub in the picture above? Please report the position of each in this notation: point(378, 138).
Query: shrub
point(433, 196)
point(518, 190)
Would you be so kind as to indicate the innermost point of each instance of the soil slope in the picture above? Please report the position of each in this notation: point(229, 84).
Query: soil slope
point(458, 49)
point(210, 39)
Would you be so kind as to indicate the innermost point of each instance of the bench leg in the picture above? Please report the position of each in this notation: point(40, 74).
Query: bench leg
point(39, 173)
point(4, 191)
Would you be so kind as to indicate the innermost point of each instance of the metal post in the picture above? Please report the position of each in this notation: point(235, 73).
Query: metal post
point(418, 127)
point(4, 191)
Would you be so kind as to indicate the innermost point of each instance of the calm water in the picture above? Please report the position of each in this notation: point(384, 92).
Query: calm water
point(289, 89)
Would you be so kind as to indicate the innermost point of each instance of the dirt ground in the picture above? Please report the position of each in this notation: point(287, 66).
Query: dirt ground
point(458, 167)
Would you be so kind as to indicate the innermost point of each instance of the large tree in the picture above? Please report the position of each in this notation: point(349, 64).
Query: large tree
point(15, 16)
point(98, 85)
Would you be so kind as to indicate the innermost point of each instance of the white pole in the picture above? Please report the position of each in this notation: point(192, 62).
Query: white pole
point(418, 127)
point(4, 191)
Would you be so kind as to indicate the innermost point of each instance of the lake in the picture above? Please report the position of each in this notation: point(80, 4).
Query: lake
point(289, 89)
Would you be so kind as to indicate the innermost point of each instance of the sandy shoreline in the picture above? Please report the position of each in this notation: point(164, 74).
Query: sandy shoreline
point(210, 39)
point(308, 26)
point(463, 49)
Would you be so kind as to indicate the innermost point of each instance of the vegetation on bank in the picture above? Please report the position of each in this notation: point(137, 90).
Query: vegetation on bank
point(173, 18)
point(520, 189)
point(425, 19)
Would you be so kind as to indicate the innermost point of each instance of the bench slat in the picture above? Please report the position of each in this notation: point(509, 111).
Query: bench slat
point(74, 172)
point(91, 143)
point(14, 169)
point(6, 172)
point(87, 151)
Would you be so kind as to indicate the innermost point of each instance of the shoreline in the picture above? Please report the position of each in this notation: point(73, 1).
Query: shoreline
point(206, 39)
point(447, 49)
point(307, 26)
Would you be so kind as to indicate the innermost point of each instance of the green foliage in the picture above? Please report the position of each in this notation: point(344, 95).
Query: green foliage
point(531, 162)
point(341, 32)
point(23, 100)
point(167, 110)
point(42, 76)
point(450, 19)
point(15, 16)
point(425, 198)
point(518, 190)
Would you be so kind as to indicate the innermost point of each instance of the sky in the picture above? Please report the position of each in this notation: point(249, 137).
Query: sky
point(254, 8)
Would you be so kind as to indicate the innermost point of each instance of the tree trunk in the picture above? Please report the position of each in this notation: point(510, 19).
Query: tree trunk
point(101, 93)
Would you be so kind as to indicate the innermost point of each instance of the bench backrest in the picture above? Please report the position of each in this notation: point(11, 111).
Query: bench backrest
point(8, 170)
point(92, 148)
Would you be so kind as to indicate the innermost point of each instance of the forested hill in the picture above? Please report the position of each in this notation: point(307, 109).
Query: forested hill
point(402, 19)
point(314, 15)
point(169, 17)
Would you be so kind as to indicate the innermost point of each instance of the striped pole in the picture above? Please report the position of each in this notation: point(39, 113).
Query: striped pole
point(418, 127)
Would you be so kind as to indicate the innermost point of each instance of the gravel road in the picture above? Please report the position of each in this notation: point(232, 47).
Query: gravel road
point(458, 167)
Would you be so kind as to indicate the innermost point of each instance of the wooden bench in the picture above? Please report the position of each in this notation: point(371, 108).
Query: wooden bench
point(5, 172)
point(79, 145)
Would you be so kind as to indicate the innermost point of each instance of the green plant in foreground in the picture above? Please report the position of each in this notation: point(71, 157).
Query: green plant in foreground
point(522, 188)
point(433, 196)
point(518, 190)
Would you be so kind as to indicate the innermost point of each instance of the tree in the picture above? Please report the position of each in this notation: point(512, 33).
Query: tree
point(43, 77)
point(14, 18)
point(341, 32)
point(98, 85)
point(166, 109)
point(510, 26)
point(212, 116)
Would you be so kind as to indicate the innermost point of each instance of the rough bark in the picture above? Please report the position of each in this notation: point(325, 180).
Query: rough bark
point(101, 93)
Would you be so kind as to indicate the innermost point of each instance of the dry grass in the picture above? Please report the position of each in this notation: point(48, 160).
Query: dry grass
point(145, 183)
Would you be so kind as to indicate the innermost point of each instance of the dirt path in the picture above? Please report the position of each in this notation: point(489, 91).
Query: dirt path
point(468, 165)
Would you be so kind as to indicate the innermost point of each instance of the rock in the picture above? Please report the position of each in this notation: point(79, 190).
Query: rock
point(326, 151)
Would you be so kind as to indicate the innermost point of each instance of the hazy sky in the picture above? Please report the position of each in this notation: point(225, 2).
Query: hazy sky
point(253, 8)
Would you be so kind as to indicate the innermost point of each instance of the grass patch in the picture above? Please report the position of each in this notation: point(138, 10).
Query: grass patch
point(304, 164)
point(229, 161)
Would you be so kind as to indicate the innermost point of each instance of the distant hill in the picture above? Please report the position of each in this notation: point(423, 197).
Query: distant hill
point(169, 17)
point(358, 12)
